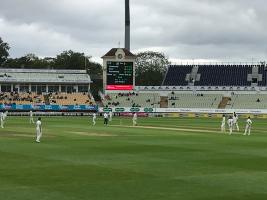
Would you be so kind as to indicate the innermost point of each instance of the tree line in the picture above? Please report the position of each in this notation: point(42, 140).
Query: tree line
point(150, 66)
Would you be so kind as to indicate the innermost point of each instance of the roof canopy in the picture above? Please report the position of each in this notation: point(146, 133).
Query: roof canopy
point(44, 76)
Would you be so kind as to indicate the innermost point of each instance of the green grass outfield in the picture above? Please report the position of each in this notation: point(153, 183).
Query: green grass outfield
point(164, 158)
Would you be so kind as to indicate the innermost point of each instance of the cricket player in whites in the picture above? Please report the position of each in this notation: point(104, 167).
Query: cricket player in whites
point(105, 119)
point(230, 123)
point(223, 124)
point(110, 116)
point(134, 119)
point(38, 130)
point(235, 121)
point(31, 117)
point(248, 126)
point(2, 119)
point(94, 118)
point(5, 115)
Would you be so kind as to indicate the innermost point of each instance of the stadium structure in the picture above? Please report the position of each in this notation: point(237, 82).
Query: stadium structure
point(198, 88)
point(210, 88)
point(187, 88)
point(45, 90)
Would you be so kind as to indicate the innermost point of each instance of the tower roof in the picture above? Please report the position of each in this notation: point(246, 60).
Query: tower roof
point(112, 53)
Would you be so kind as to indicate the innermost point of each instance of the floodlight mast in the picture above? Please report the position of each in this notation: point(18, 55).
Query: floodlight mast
point(127, 24)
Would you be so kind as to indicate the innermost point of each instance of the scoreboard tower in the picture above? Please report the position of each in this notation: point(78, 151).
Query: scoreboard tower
point(118, 70)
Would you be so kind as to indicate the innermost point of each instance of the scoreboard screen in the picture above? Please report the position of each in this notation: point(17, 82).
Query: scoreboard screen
point(119, 75)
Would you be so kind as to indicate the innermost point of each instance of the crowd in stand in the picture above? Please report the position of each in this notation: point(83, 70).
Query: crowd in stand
point(51, 98)
point(71, 98)
point(15, 97)
point(120, 99)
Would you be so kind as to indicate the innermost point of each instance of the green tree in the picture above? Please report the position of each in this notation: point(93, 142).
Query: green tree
point(96, 74)
point(150, 68)
point(4, 47)
point(71, 60)
point(29, 61)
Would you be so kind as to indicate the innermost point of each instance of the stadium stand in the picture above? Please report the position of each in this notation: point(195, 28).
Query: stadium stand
point(31, 86)
point(194, 100)
point(216, 75)
point(176, 75)
point(245, 101)
point(70, 98)
point(263, 71)
point(20, 98)
point(132, 100)
point(229, 75)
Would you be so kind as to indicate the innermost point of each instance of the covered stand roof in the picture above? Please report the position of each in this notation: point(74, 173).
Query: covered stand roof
point(44, 76)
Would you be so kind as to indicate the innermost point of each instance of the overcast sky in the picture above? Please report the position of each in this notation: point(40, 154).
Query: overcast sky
point(221, 30)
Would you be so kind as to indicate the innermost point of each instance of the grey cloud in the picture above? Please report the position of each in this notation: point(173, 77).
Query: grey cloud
point(201, 29)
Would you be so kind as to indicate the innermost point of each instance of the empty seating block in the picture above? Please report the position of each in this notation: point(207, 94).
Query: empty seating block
point(248, 101)
point(214, 75)
point(194, 101)
point(224, 75)
point(176, 75)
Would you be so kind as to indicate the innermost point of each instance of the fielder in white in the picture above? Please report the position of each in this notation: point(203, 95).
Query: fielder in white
point(248, 126)
point(134, 119)
point(110, 116)
point(223, 124)
point(235, 121)
point(31, 117)
point(94, 118)
point(38, 130)
point(5, 115)
point(2, 119)
point(230, 123)
point(105, 119)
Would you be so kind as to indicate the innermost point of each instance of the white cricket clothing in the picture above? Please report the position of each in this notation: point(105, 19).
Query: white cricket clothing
point(110, 116)
point(31, 117)
point(106, 119)
point(94, 118)
point(134, 119)
point(235, 122)
point(248, 126)
point(2, 119)
point(5, 115)
point(38, 130)
point(223, 125)
point(105, 115)
point(230, 125)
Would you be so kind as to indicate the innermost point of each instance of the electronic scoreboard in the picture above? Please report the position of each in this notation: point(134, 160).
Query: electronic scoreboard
point(119, 76)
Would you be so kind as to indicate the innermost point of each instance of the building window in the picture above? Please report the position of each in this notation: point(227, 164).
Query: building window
point(67, 88)
point(53, 88)
point(82, 88)
point(6, 88)
point(41, 88)
point(24, 88)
